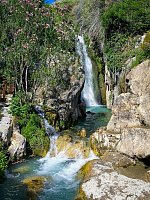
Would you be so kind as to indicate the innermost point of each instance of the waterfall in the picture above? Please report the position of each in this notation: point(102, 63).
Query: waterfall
point(88, 91)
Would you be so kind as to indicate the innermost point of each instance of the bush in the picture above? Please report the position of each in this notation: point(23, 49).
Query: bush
point(3, 160)
point(127, 16)
point(30, 126)
point(35, 135)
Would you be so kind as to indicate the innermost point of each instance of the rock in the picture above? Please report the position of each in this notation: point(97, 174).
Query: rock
point(132, 109)
point(102, 141)
point(117, 159)
point(124, 113)
point(83, 132)
point(22, 169)
point(135, 142)
point(34, 185)
point(72, 149)
point(17, 149)
point(6, 126)
point(105, 183)
point(66, 103)
point(138, 81)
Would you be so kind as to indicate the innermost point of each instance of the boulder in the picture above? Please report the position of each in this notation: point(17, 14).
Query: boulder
point(125, 113)
point(132, 109)
point(138, 81)
point(102, 141)
point(72, 149)
point(6, 126)
point(17, 149)
point(105, 183)
point(34, 185)
point(135, 142)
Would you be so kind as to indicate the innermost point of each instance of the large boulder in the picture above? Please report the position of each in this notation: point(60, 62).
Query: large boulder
point(139, 83)
point(135, 142)
point(105, 183)
point(132, 109)
point(17, 149)
point(125, 113)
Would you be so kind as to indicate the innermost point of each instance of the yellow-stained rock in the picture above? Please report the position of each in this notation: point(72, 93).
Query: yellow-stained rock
point(34, 185)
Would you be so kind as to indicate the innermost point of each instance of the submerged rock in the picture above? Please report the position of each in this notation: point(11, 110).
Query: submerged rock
point(105, 183)
point(34, 185)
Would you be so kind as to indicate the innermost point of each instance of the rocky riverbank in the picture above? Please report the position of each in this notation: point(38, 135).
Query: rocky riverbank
point(121, 144)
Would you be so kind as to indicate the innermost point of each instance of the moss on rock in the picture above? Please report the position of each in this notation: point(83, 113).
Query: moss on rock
point(34, 185)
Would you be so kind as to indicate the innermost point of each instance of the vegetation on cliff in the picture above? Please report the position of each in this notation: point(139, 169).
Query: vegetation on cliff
point(3, 160)
point(115, 28)
point(37, 47)
point(31, 126)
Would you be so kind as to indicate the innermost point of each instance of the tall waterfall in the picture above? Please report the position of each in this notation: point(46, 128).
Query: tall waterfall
point(88, 91)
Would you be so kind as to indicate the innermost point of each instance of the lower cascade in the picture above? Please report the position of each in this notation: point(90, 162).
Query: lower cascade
point(52, 177)
point(88, 91)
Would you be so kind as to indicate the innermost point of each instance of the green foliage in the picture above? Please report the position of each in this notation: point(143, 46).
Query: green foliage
point(127, 16)
point(3, 160)
point(33, 37)
point(124, 22)
point(35, 135)
point(30, 125)
point(18, 108)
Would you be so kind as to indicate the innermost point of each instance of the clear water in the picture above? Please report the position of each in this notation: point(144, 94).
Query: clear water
point(59, 171)
point(97, 116)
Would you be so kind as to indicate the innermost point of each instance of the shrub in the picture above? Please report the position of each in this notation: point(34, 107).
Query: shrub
point(3, 160)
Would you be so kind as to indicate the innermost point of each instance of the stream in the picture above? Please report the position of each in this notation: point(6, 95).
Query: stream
point(60, 172)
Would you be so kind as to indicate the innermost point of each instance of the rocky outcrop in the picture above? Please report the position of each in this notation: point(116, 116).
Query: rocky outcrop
point(128, 129)
point(125, 113)
point(73, 148)
point(6, 126)
point(105, 183)
point(131, 114)
point(135, 142)
point(102, 141)
point(17, 149)
point(133, 109)
point(67, 106)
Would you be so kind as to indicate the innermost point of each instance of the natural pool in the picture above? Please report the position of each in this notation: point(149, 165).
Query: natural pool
point(59, 171)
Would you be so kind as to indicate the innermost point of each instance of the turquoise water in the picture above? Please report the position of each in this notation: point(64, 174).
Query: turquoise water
point(59, 171)
point(97, 116)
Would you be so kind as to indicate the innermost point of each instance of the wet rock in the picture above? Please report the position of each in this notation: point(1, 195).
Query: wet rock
point(34, 185)
point(22, 169)
point(72, 149)
point(135, 142)
point(17, 149)
point(105, 183)
point(82, 133)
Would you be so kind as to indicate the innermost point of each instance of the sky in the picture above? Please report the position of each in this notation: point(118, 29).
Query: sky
point(49, 1)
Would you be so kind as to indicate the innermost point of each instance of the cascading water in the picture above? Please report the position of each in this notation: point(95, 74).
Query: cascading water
point(61, 169)
point(88, 91)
